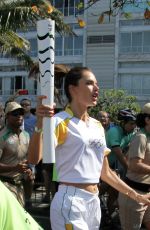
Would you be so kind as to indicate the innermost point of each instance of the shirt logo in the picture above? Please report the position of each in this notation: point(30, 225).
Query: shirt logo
point(96, 143)
point(11, 141)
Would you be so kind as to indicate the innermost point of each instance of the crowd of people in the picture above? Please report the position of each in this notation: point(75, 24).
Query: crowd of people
point(93, 156)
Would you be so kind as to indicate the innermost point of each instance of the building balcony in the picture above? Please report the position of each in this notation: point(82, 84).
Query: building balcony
point(5, 61)
point(135, 51)
point(133, 57)
point(139, 92)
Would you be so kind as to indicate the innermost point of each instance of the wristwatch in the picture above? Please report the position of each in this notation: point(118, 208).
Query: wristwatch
point(38, 130)
point(32, 168)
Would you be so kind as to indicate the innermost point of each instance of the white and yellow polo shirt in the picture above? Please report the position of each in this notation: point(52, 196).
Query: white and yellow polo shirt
point(80, 148)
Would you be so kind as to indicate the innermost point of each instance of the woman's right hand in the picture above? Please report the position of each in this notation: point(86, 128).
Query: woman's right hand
point(44, 110)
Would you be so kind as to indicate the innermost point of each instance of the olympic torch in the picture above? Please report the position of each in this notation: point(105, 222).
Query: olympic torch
point(46, 54)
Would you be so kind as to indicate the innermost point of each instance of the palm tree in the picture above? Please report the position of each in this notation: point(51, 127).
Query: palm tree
point(19, 15)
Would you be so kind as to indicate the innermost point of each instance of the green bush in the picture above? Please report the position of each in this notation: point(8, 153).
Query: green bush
point(112, 101)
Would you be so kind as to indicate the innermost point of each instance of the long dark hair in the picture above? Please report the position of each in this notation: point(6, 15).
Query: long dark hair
point(72, 78)
point(140, 120)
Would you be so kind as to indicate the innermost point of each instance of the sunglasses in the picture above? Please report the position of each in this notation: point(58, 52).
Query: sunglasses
point(103, 117)
point(16, 113)
point(24, 105)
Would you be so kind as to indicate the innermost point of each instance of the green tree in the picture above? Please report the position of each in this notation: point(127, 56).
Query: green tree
point(112, 101)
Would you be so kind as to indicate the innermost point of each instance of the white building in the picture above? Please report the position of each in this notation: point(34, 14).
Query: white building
point(118, 51)
point(132, 54)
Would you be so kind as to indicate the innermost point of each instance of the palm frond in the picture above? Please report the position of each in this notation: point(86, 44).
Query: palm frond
point(15, 46)
point(10, 39)
point(22, 56)
point(20, 14)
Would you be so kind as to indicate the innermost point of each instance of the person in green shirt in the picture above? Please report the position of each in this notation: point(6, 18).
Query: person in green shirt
point(118, 138)
point(12, 215)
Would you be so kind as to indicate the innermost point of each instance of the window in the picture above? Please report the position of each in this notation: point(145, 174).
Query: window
point(21, 68)
point(69, 45)
point(18, 82)
point(146, 43)
point(125, 83)
point(33, 47)
point(58, 46)
point(35, 87)
point(58, 4)
point(131, 22)
point(101, 39)
point(72, 7)
point(135, 84)
point(0, 86)
point(136, 45)
point(68, 7)
point(78, 45)
point(125, 42)
point(135, 42)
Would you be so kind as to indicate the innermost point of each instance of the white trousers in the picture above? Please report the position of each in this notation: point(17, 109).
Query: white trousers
point(75, 209)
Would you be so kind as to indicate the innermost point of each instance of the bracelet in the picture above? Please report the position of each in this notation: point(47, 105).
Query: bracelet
point(128, 192)
point(136, 196)
point(38, 130)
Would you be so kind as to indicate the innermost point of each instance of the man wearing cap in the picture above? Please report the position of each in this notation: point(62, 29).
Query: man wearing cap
point(14, 142)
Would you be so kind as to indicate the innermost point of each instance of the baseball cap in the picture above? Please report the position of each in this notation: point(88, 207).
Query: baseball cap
point(146, 108)
point(11, 106)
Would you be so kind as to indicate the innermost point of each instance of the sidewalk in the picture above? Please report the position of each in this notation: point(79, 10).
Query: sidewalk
point(40, 211)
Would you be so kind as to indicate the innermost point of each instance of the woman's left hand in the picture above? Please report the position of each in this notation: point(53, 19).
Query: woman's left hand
point(145, 199)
